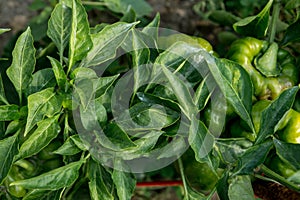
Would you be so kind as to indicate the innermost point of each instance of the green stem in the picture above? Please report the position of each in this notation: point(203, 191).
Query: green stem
point(268, 172)
point(183, 178)
point(91, 3)
point(275, 16)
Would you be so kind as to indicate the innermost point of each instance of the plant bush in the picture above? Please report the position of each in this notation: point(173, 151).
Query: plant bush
point(87, 112)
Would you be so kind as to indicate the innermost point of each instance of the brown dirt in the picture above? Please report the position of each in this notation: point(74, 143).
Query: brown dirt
point(14, 14)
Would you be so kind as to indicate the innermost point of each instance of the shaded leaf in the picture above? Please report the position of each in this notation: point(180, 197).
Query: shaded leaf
point(292, 33)
point(232, 148)
point(102, 84)
point(223, 17)
point(9, 112)
point(241, 188)
point(295, 177)
point(223, 186)
point(43, 194)
point(41, 80)
point(246, 163)
point(129, 16)
point(259, 23)
point(2, 92)
point(141, 7)
point(151, 29)
point(202, 94)
point(288, 152)
point(8, 149)
point(61, 77)
point(78, 142)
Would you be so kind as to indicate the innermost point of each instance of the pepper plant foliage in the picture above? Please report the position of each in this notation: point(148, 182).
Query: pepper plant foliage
point(85, 117)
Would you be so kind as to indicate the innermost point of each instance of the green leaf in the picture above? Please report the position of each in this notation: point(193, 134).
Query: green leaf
point(43, 194)
point(141, 7)
point(101, 186)
point(41, 104)
point(22, 67)
point(182, 93)
point(80, 39)
point(292, 4)
point(241, 188)
point(118, 137)
point(125, 184)
point(78, 142)
point(14, 126)
point(105, 43)
point(223, 17)
point(201, 141)
point(2, 92)
point(68, 148)
point(202, 94)
point(292, 33)
point(85, 91)
point(102, 84)
point(259, 23)
point(53, 180)
point(223, 186)
point(151, 29)
point(157, 99)
point(9, 112)
point(47, 130)
point(8, 149)
point(236, 86)
point(3, 30)
point(274, 112)
point(61, 77)
point(129, 16)
point(232, 148)
point(41, 80)
point(144, 117)
point(288, 152)
point(295, 177)
point(59, 26)
point(93, 115)
point(246, 163)
point(140, 57)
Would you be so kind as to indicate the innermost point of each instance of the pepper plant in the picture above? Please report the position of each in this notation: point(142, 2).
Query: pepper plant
point(98, 108)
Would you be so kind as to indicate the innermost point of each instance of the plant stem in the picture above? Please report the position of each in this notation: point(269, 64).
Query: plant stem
point(91, 3)
point(279, 178)
point(275, 16)
point(183, 178)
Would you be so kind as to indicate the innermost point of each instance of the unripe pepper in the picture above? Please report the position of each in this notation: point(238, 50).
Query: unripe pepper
point(271, 69)
point(289, 128)
point(280, 167)
point(14, 190)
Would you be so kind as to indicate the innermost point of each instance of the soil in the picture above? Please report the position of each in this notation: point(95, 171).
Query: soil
point(175, 14)
point(14, 14)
